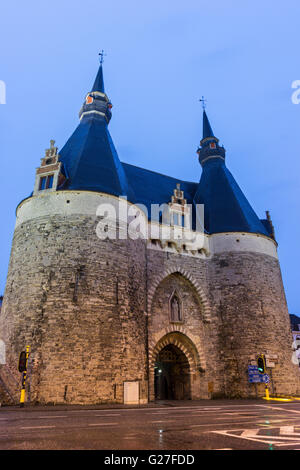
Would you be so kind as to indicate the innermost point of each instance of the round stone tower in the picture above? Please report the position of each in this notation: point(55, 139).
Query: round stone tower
point(246, 288)
point(74, 295)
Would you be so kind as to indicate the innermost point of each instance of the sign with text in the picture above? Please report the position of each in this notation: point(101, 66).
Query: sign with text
point(255, 377)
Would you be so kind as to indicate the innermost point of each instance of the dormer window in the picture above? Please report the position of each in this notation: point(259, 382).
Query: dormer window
point(49, 176)
point(46, 182)
point(176, 219)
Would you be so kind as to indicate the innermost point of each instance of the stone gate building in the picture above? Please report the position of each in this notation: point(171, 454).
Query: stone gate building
point(116, 318)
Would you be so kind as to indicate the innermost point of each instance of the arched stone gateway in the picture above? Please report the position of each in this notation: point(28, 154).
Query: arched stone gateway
point(172, 375)
point(175, 368)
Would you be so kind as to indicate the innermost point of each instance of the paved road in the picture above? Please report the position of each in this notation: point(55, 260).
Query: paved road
point(163, 426)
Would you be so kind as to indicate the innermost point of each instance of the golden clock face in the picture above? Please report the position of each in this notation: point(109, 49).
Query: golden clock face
point(89, 99)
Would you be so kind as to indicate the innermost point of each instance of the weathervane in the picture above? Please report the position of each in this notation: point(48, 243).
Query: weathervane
point(203, 100)
point(101, 54)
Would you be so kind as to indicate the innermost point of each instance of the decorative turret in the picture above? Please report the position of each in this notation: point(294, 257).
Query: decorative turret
point(48, 175)
point(97, 104)
point(209, 144)
point(89, 158)
point(226, 209)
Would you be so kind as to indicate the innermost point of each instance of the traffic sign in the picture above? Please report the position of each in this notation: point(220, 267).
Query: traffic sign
point(255, 377)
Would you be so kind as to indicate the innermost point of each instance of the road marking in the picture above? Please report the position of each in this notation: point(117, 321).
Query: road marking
point(212, 407)
point(223, 449)
point(271, 421)
point(36, 427)
point(172, 408)
point(103, 424)
point(249, 432)
point(282, 409)
point(53, 417)
point(214, 411)
point(286, 433)
point(103, 416)
point(164, 421)
point(238, 418)
point(217, 424)
point(287, 430)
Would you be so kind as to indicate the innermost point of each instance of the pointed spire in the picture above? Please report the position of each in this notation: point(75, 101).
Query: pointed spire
point(99, 82)
point(97, 104)
point(207, 130)
point(89, 157)
point(209, 145)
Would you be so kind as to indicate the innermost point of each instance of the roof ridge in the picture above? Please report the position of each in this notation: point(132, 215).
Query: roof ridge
point(161, 174)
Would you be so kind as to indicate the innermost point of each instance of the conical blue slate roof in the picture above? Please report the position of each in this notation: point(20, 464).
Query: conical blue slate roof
point(91, 161)
point(226, 209)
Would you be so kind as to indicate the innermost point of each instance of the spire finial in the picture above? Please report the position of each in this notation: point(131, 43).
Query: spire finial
point(203, 101)
point(101, 54)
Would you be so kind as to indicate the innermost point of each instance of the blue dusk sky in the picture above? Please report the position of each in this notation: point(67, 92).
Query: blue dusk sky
point(162, 56)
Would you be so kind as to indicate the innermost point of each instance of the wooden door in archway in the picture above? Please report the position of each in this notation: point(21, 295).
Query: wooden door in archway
point(172, 375)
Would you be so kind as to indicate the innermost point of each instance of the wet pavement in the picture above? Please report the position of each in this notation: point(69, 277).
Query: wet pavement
point(197, 425)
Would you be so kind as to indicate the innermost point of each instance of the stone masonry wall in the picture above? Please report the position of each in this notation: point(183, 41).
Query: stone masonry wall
point(79, 302)
point(95, 312)
point(248, 300)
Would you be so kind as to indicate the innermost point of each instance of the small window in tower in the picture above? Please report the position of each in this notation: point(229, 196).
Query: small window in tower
point(42, 183)
point(46, 182)
point(175, 219)
point(49, 181)
point(212, 145)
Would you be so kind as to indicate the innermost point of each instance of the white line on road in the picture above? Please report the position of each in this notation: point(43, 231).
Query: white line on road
point(251, 435)
point(171, 408)
point(53, 417)
point(287, 430)
point(164, 421)
point(237, 418)
point(104, 424)
point(249, 432)
point(216, 424)
point(36, 427)
point(283, 409)
point(212, 408)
